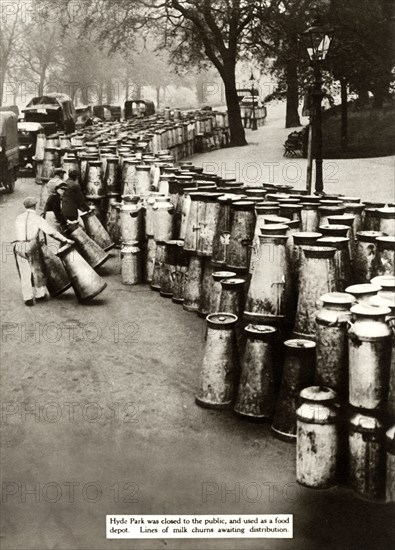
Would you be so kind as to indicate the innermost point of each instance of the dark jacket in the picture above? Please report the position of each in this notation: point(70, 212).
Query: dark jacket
point(72, 201)
point(53, 204)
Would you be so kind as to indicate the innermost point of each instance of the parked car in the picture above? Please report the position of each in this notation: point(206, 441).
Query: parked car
point(27, 137)
point(139, 108)
point(84, 116)
point(55, 112)
point(9, 151)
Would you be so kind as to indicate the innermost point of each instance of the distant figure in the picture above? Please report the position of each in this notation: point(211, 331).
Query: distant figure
point(27, 251)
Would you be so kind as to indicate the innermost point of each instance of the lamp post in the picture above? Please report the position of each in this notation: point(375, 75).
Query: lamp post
point(254, 125)
point(317, 41)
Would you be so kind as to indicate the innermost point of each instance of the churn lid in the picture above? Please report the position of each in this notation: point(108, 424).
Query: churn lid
point(386, 242)
point(233, 283)
point(260, 332)
point(299, 343)
point(364, 288)
point(364, 423)
point(386, 212)
point(338, 298)
point(219, 275)
point(387, 282)
point(306, 237)
point(317, 405)
point(370, 310)
point(369, 236)
point(272, 218)
point(273, 229)
point(221, 320)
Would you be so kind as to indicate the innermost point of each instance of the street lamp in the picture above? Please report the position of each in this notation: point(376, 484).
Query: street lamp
point(254, 125)
point(317, 40)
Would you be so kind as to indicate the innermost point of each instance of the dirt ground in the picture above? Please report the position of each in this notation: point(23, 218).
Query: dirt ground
point(98, 417)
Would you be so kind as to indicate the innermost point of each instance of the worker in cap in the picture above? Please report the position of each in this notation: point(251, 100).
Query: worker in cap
point(28, 227)
point(53, 208)
point(48, 188)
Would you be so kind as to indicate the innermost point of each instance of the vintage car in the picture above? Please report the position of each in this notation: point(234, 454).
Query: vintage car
point(107, 112)
point(139, 108)
point(9, 152)
point(55, 112)
point(84, 116)
point(27, 137)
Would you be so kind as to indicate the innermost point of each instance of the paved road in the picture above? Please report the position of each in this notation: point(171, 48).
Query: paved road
point(115, 428)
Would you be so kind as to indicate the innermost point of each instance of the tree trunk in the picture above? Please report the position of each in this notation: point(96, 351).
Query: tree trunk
point(344, 118)
point(41, 84)
point(158, 97)
point(292, 116)
point(109, 91)
point(237, 134)
point(126, 89)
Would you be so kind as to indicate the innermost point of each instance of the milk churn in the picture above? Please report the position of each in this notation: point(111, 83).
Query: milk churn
point(337, 230)
point(325, 211)
point(50, 162)
point(96, 231)
point(162, 211)
point(180, 275)
point(207, 224)
point(143, 179)
point(150, 251)
point(390, 477)
point(385, 259)
point(356, 210)
point(302, 238)
point(387, 284)
point(111, 180)
point(85, 281)
point(89, 250)
point(342, 259)
point(129, 176)
point(131, 219)
point(232, 295)
point(298, 373)
point(193, 283)
point(371, 220)
point(365, 254)
point(218, 376)
point(291, 211)
point(131, 264)
point(207, 287)
point(309, 217)
point(58, 280)
point(84, 161)
point(113, 224)
point(369, 345)
point(317, 438)
point(168, 269)
point(270, 286)
point(71, 163)
point(192, 227)
point(238, 252)
point(387, 220)
point(94, 184)
point(332, 322)
point(149, 213)
point(318, 277)
point(366, 440)
point(40, 147)
point(158, 265)
point(256, 394)
point(222, 230)
point(346, 219)
point(363, 292)
point(214, 297)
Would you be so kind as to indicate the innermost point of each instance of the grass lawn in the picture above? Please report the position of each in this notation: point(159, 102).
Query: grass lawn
point(371, 133)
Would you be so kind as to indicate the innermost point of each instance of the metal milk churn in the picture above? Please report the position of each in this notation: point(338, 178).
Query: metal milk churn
point(331, 342)
point(96, 231)
point(356, 210)
point(94, 185)
point(390, 477)
point(348, 220)
point(184, 204)
point(385, 259)
point(256, 394)
point(365, 255)
point(114, 224)
point(168, 269)
point(150, 251)
point(386, 284)
point(207, 286)
point(317, 438)
point(149, 213)
point(318, 277)
point(369, 345)
point(69, 164)
point(364, 292)
point(218, 376)
point(232, 295)
point(85, 281)
point(342, 259)
point(180, 275)
point(129, 176)
point(371, 220)
point(89, 250)
point(131, 222)
point(216, 289)
point(238, 252)
point(337, 230)
point(58, 280)
point(193, 283)
point(269, 290)
point(326, 210)
point(131, 264)
point(143, 179)
point(160, 252)
point(387, 220)
point(222, 230)
point(298, 373)
point(50, 162)
point(367, 460)
point(112, 182)
point(309, 217)
point(162, 211)
point(291, 211)
point(300, 239)
point(192, 227)
point(207, 224)
point(40, 147)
